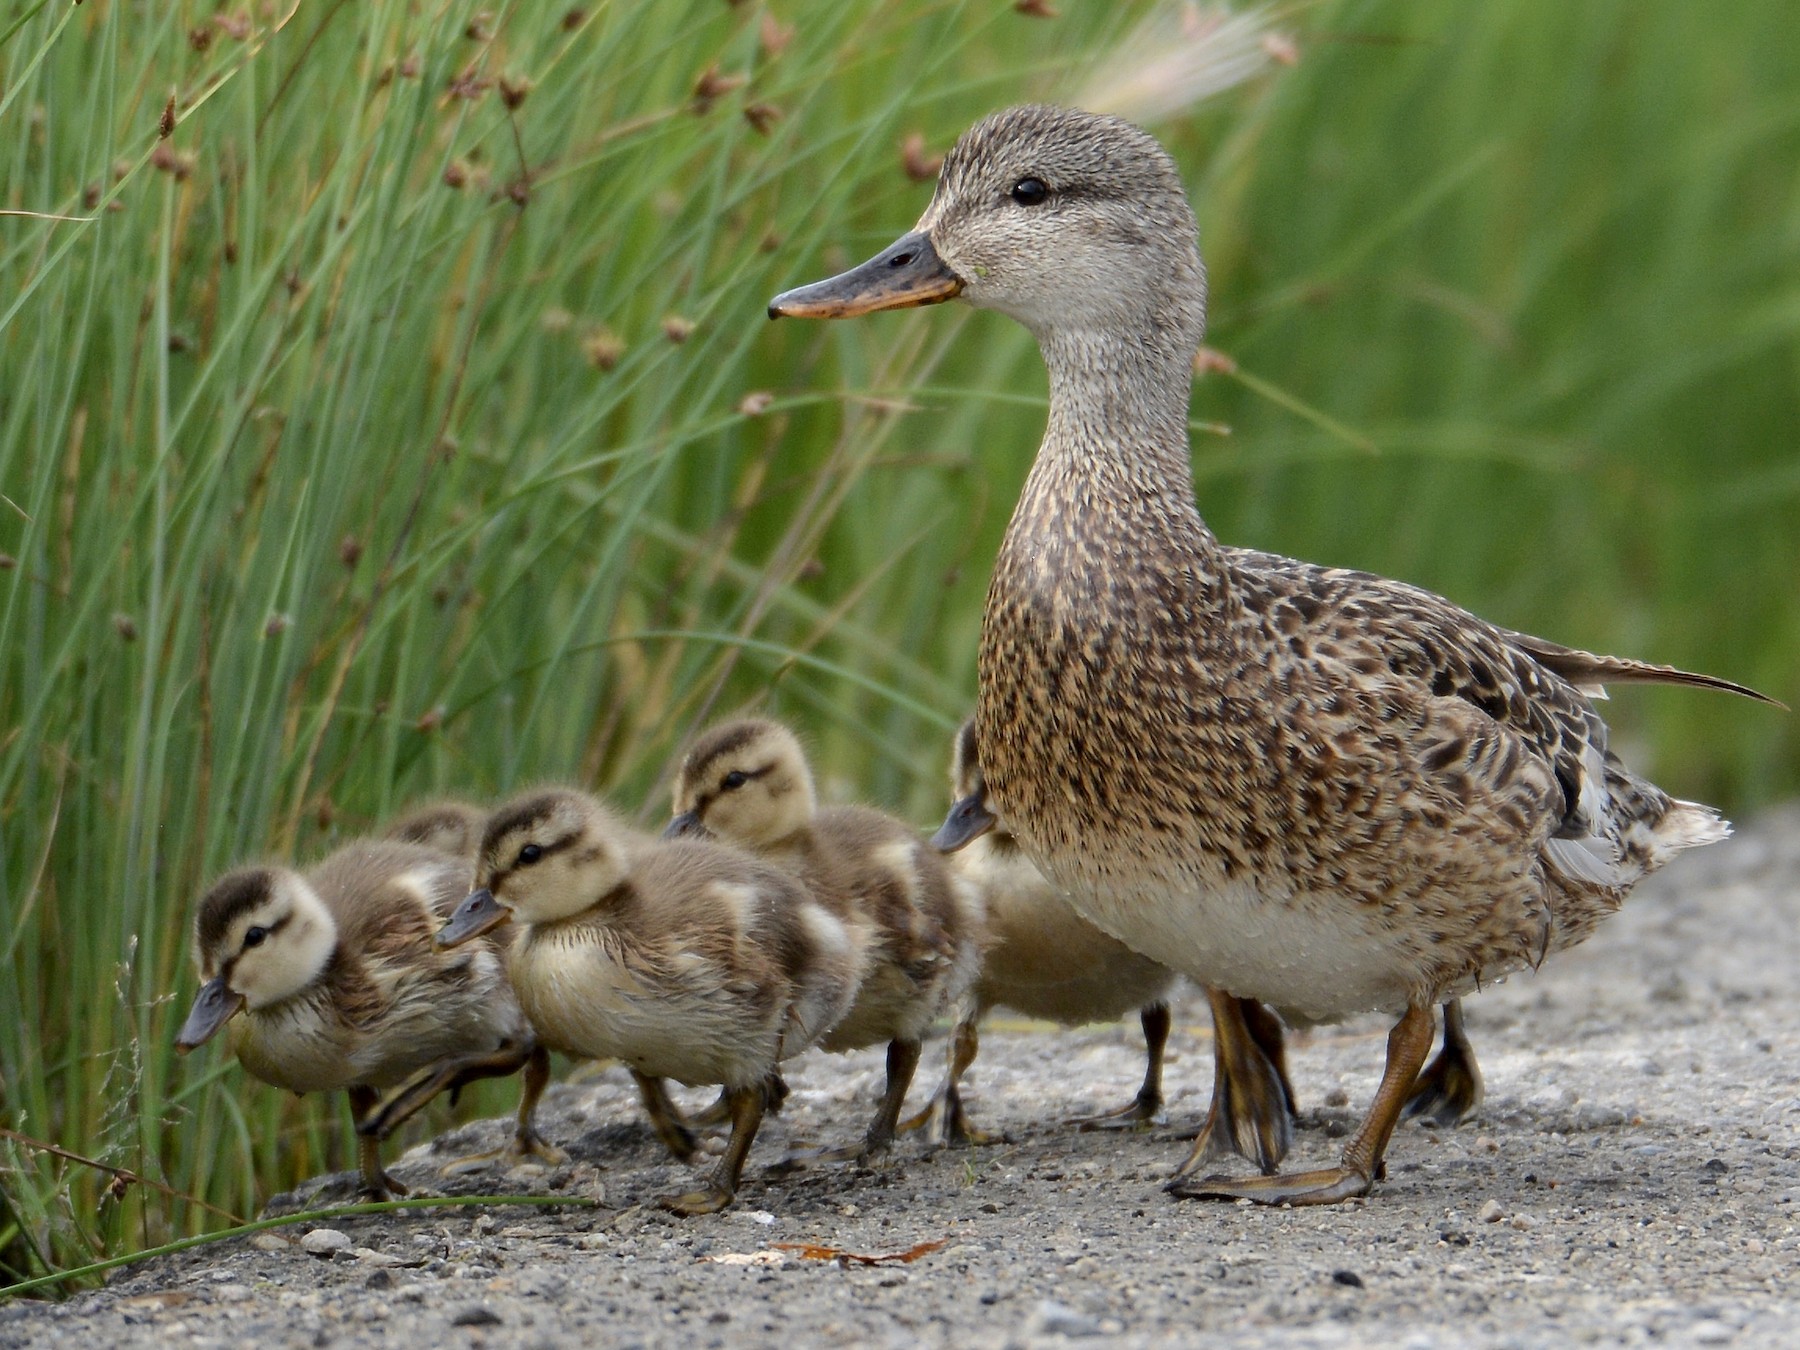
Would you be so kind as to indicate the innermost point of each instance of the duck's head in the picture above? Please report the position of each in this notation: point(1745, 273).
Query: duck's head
point(545, 856)
point(1065, 220)
point(969, 816)
point(747, 782)
point(261, 936)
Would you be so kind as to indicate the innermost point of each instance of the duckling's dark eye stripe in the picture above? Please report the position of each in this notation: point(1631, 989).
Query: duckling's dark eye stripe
point(544, 851)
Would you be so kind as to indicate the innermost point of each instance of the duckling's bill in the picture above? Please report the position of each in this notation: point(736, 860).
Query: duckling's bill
point(905, 274)
point(687, 825)
point(213, 1007)
point(476, 915)
point(968, 821)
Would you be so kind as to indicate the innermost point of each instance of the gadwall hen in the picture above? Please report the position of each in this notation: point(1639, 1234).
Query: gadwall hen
point(1321, 789)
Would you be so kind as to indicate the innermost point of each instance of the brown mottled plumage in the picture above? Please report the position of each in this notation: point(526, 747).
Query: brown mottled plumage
point(329, 979)
point(1042, 958)
point(1318, 788)
point(687, 959)
point(749, 782)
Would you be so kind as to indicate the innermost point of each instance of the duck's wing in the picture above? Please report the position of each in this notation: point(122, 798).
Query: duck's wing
point(1610, 826)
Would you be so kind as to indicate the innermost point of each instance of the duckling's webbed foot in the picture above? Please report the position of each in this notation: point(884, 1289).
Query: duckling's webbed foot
point(377, 1184)
point(902, 1061)
point(1252, 1110)
point(665, 1116)
point(1362, 1159)
point(1450, 1087)
point(1148, 1103)
point(746, 1106)
point(775, 1095)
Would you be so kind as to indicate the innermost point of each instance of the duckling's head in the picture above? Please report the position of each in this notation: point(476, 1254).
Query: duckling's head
point(1065, 220)
point(546, 856)
point(747, 782)
point(969, 816)
point(448, 826)
point(261, 936)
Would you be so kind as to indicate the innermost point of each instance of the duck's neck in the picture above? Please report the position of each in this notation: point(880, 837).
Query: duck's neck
point(1117, 439)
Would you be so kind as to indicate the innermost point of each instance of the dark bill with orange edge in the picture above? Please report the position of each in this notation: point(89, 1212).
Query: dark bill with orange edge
point(473, 917)
point(906, 273)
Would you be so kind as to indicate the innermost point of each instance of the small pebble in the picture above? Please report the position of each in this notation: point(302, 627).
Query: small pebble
point(1347, 1277)
point(1058, 1319)
point(270, 1242)
point(1523, 1222)
point(476, 1317)
point(1337, 1097)
point(1490, 1212)
point(325, 1242)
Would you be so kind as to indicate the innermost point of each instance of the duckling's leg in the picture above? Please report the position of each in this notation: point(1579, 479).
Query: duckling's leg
point(902, 1061)
point(1408, 1044)
point(1450, 1087)
point(526, 1141)
point(948, 1122)
point(665, 1117)
point(746, 1118)
point(1149, 1100)
point(377, 1184)
point(1252, 1104)
point(775, 1093)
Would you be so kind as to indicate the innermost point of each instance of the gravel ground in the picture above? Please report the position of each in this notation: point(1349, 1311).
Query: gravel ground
point(1633, 1177)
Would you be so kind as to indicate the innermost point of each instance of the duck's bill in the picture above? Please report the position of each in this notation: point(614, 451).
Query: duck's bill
point(214, 1006)
point(906, 273)
point(479, 914)
point(968, 821)
point(685, 826)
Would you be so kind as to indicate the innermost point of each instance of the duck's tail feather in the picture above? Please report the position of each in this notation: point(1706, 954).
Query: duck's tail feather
point(1592, 672)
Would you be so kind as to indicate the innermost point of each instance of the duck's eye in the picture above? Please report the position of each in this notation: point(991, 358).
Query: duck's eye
point(735, 780)
point(1030, 191)
point(529, 854)
point(254, 937)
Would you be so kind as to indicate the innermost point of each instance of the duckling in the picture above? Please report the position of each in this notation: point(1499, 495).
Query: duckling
point(1320, 789)
point(448, 825)
point(1042, 959)
point(748, 782)
point(454, 827)
point(688, 959)
point(328, 979)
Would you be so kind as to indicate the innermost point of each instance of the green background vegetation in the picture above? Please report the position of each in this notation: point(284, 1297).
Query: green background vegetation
point(347, 456)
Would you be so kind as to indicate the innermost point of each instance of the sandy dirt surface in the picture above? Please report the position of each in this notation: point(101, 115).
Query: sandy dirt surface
point(1633, 1177)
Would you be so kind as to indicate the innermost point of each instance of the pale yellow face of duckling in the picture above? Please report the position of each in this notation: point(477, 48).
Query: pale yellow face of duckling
point(747, 782)
point(544, 857)
point(262, 935)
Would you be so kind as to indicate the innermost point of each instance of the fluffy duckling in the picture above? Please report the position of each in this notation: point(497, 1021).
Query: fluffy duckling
point(689, 959)
point(1042, 958)
point(749, 782)
point(454, 827)
point(448, 825)
point(329, 979)
point(1321, 789)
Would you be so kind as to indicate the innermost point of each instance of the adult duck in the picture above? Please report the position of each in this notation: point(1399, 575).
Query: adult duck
point(1317, 788)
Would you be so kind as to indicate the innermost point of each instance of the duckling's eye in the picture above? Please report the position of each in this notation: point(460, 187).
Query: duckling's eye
point(253, 937)
point(735, 779)
point(1030, 192)
point(530, 854)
